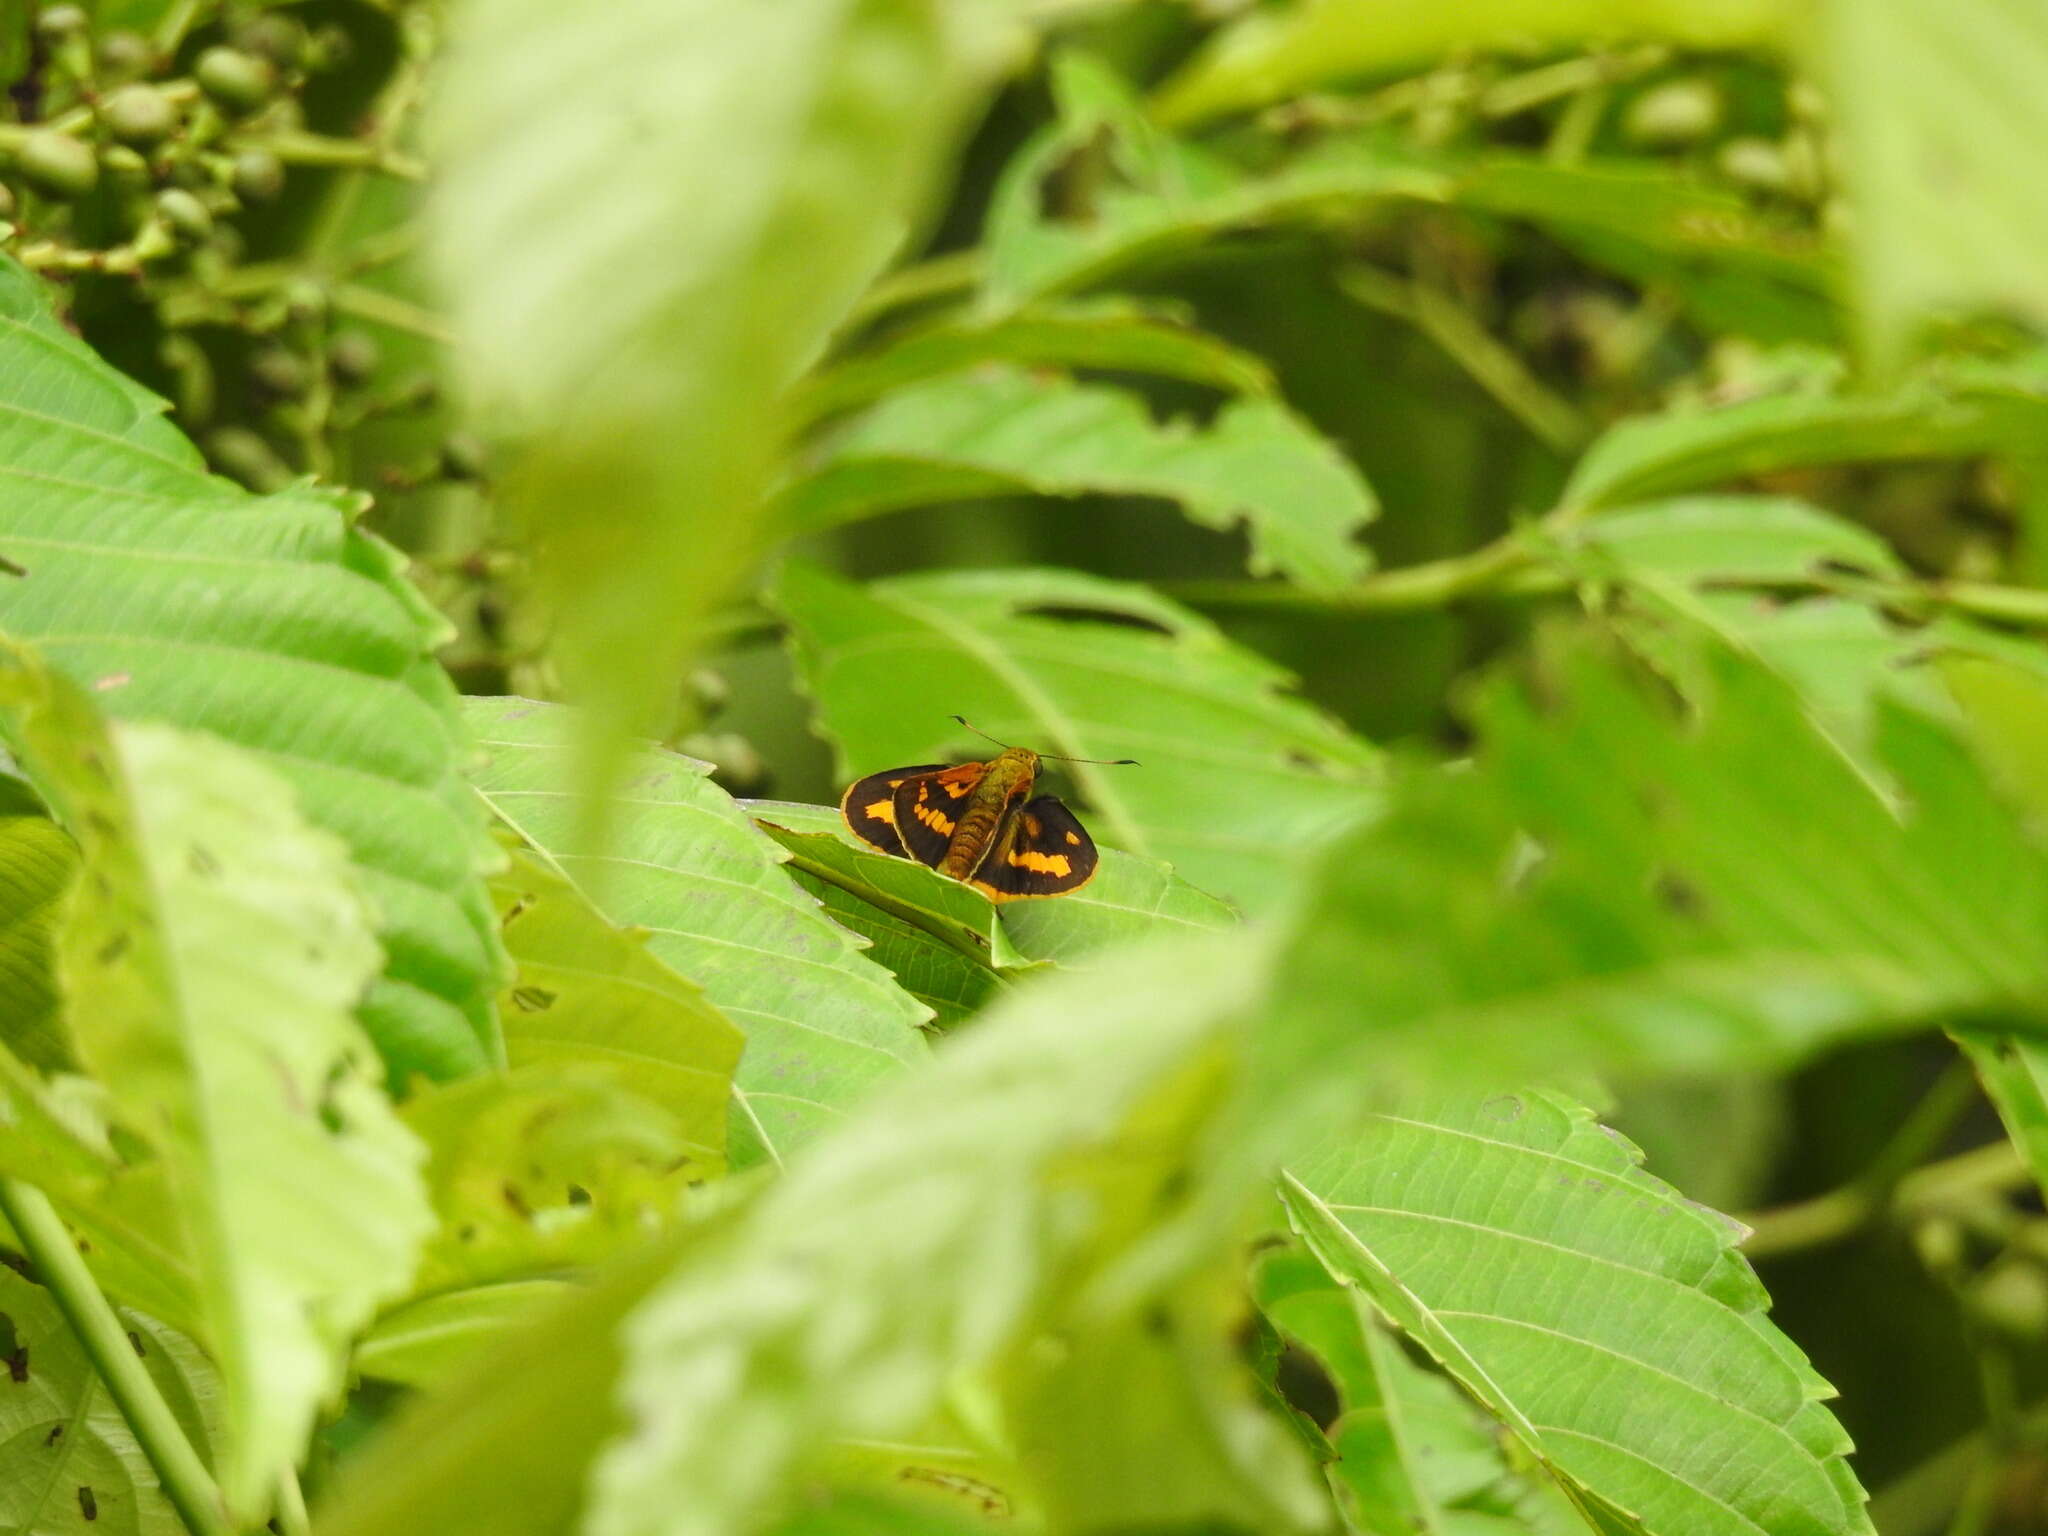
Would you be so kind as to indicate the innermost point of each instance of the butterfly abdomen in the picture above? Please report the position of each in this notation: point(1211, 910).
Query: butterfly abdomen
point(1008, 780)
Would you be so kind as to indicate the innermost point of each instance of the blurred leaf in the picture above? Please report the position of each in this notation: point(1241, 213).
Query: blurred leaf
point(1238, 781)
point(427, 1343)
point(1733, 565)
point(1001, 431)
point(69, 1464)
point(1027, 1176)
point(1610, 888)
point(867, 1515)
point(505, 1445)
point(1939, 109)
point(210, 963)
point(1609, 1323)
point(1115, 335)
point(37, 861)
point(268, 621)
point(650, 219)
point(585, 992)
point(545, 1168)
point(821, 1022)
point(1953, 415)
point(1278, 51)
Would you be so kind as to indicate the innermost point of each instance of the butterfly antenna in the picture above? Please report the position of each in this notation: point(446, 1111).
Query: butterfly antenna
point(1054, 757)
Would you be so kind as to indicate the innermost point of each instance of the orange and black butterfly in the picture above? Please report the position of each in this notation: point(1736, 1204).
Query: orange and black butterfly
point(976, 822)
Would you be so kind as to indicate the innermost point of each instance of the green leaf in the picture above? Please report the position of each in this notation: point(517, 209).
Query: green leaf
point(650, 218)
point(1953, 414)
point(37, 861)
point(821, 1022)
point(210, 962)
point(1111, 334)
point(69, 1464)
point(1237, 778)
point(1938, 115)
point(1003, 431)
point(1275, 52)
point(585, 992)
point(429, 1342)
point(1609, 1323)
point(270, 622)
point(1411, 1453)
point(1611, 889)
point(545, 1168)
point(1022, 1178)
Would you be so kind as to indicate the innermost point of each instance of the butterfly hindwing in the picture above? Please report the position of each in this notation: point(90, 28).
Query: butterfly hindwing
point(869, 806)
point(928, 809)
point(1041, 851)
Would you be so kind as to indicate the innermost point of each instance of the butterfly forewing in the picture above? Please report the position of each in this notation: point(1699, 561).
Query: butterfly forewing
point(928, 809)
point(1041, 851)
point(869, 806)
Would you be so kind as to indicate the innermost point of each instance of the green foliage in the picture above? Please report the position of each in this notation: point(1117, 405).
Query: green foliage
point(1234, 774)
point(68, 1460)
point(999, 430)
point(209, 964)
point(821, 1021)
point(1552, 495)
point(271, 622)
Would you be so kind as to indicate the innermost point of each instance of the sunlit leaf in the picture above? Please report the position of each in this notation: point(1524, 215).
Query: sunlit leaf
point(1938, 112)
point(1237, 783)
point(821, 1022)
point(1114, 335)
point(269, 621)
point(427, 1343)
point(804, 1328)
point(1277, 51)
point(1956, 414)
point(1609, 1323)
point(210, 963)
point(585, 992)
point(652, 215)
point(69, 1464)
point(1000, 431)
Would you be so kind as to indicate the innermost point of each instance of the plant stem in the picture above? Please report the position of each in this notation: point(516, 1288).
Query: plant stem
point(48, 1245)
point(1842, 1212)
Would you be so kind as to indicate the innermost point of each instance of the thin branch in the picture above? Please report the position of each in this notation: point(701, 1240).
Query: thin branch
point(1843, 1212)
point(49, 1247)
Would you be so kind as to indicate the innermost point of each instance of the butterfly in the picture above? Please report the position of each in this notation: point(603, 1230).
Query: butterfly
point(977, 822)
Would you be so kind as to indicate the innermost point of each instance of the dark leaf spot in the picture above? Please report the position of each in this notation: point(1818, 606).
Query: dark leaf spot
point(517, 1201)
point(135, 1343)
point(1299, 1377)
point(56, 1433)
point(203, 863)
point(533, 999)
point(88, 1506)
point(1115, 617)
point(1158, 1322)
point(1679, 895)
point(578, 1195)
point(113, 949)
point(17, 1364)
point(9, 567)
point(1295, 758)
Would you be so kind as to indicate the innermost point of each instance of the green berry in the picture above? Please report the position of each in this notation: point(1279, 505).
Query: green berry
point(57, 165)
point(238, 81)
point(126, 166)
point(258, 176)
point(1676, 112)
point(123, 53)
point(184, 213)
point(280, 371)
point(2012, 1298)
point(1755, 163)
point(353, 357)
point(139, 114)
point(274, 37)
point(58, 22)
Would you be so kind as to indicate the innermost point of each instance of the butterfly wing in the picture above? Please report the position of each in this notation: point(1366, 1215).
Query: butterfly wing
point(928, 809)
point(1043, 851)
point(869, 806)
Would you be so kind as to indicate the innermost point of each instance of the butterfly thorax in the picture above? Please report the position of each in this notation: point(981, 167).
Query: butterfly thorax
point(1007, 782)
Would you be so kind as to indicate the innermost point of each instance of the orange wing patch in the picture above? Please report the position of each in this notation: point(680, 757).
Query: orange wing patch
point(1056, 864)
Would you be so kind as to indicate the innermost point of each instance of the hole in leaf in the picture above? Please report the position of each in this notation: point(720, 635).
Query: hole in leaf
point(1299, 1377)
